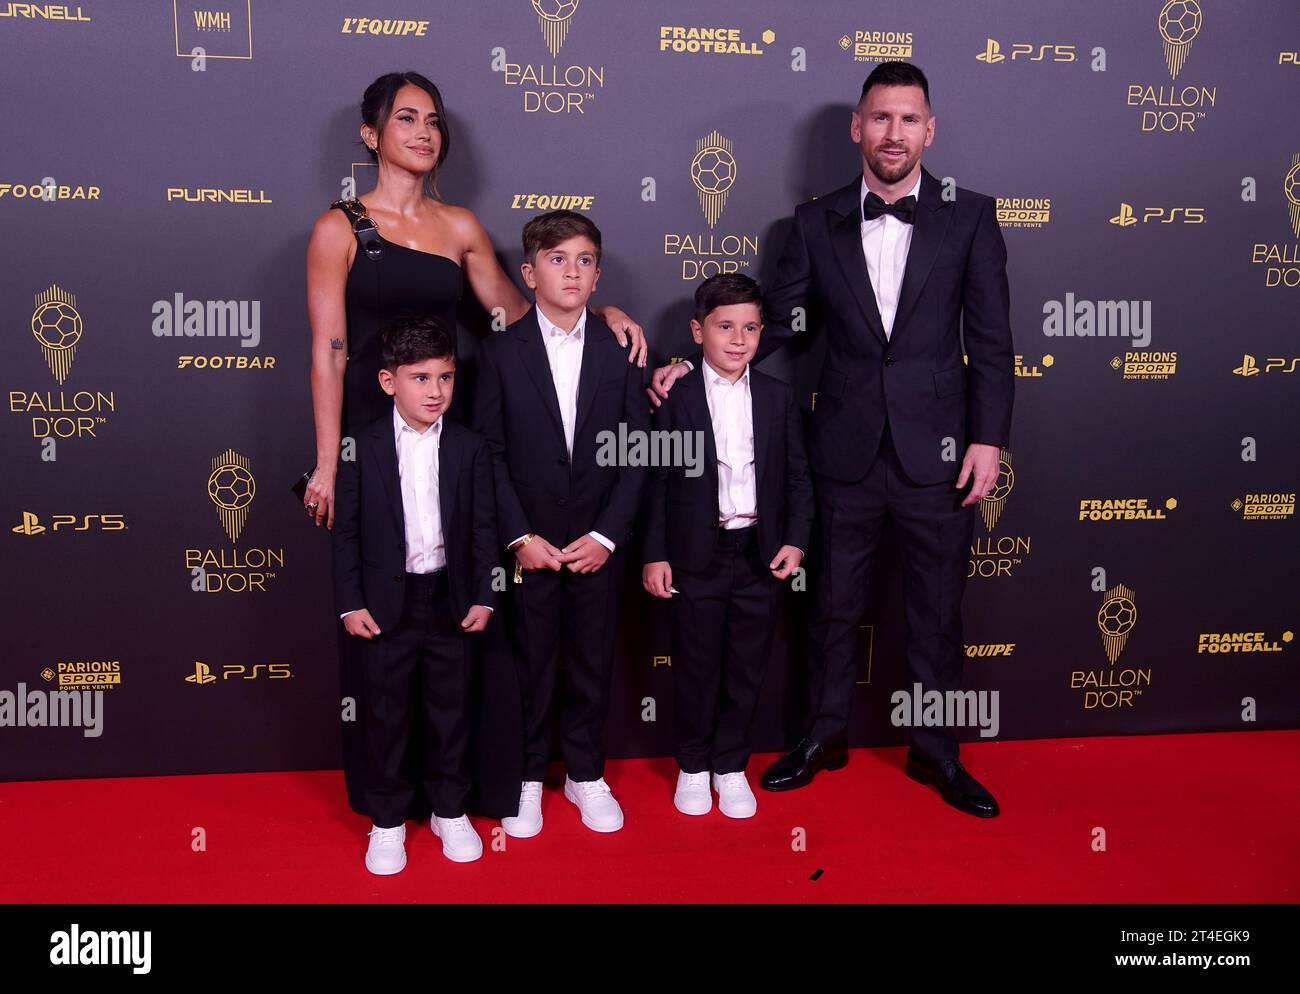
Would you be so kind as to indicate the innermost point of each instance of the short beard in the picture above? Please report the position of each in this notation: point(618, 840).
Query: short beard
point(888, 174)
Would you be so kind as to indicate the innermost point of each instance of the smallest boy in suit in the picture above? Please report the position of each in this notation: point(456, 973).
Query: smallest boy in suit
point(414, 548)
point(721, 543)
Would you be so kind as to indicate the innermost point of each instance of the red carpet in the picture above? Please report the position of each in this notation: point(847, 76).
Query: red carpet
point(1207, 817)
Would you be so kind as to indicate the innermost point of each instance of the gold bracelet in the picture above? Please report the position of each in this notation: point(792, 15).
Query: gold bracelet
point(519, 544)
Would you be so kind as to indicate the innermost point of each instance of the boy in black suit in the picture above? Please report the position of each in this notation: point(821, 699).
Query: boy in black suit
point(551, 390)
point(414, 547)
point(721, 544)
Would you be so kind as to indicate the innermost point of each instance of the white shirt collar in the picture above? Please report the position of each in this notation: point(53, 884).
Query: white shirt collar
point(549, 328)
point(863, 191)
point(713, 378)
point(400, 425)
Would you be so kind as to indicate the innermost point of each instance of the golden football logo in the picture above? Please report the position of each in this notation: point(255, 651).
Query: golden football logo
point(57, 326)
point(1291, 187)
point(1116, 618)
point(991, 506)
point(713, 171)
point(231, 488)
point(553, 18)
point(1180, 22)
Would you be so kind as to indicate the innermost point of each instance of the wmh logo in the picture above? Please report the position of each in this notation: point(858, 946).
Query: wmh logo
point(212, 20)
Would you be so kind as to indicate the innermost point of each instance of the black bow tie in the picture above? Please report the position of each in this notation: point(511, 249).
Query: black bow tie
point(903, 208)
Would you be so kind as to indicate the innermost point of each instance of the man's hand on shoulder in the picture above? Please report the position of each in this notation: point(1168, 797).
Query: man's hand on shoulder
point(663, 380)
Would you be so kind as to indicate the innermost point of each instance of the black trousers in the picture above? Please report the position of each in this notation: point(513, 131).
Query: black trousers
point(564, 635)
point(934, 536)
point(418, 672)
point(724, 618)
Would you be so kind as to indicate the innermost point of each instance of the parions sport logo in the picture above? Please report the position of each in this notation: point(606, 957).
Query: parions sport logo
point(1280, 261)
point(1174, 108)
point(1024, 212)
point(713, 170)
point(1114, 687)
point(1265, 506)
point(85, 674)
point(876, 45)
point(231, 488)
point(1145, 364)
point(994, 556)
point(59, 329)
point(550, 87)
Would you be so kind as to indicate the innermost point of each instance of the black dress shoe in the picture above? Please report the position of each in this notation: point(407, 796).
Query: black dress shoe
point(958, 787)
point(797, 768)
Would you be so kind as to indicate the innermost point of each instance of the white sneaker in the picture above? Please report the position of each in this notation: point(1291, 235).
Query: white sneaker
point(735, 799)
point(386, 853)
point(528, 822)
point(693, 796)
point(460, 843)
point(600, 812)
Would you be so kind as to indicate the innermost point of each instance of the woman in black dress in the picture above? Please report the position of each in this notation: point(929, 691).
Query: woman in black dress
point(425, 250)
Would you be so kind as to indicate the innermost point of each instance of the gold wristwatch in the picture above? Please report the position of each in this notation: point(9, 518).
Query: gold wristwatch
point(519, 544)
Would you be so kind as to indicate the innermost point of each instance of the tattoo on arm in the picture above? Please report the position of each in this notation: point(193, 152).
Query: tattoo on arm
point(336, 343)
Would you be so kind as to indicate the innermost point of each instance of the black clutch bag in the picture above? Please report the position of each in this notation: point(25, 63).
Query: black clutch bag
point(300, 486)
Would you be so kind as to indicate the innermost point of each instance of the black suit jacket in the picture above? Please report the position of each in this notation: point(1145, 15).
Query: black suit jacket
point(956, 273)
point(370, 533)
point(682, 511)
point(538, 488)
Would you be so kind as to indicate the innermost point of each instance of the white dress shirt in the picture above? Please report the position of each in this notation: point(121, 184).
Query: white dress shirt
point(732, 412)
point(885, 242)
point(564, 353)
point(417, 466)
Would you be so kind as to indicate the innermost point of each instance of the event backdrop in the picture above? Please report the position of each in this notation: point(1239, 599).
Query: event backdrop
point(1134, 572)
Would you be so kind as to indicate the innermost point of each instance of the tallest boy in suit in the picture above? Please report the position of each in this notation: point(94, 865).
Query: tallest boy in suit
point(903, 275)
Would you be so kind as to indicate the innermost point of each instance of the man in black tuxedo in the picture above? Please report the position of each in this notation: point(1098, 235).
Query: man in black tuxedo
point(552, 390)
point(414, 549)
point(904, 273)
